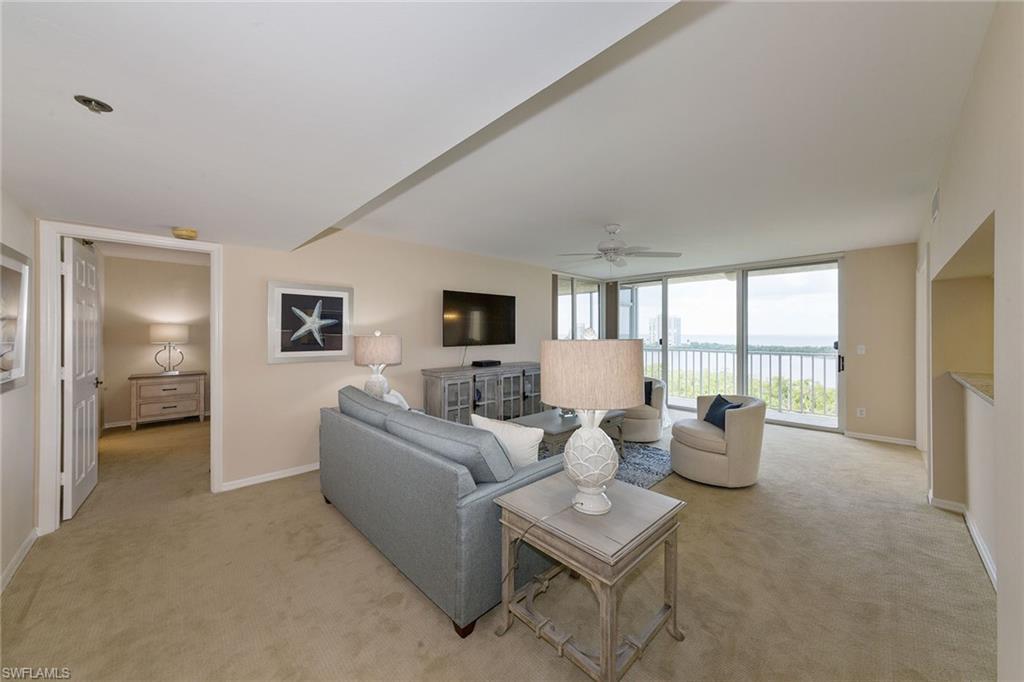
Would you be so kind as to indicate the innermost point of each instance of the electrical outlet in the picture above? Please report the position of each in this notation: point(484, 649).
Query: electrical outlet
point(861, 412)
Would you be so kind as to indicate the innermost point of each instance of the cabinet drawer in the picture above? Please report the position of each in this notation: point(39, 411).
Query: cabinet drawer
point(163, 390)
point(169, 408)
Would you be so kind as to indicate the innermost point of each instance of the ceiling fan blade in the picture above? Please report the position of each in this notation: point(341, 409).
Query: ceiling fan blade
point(658, 254)
point(630, 250)
point(591, 253)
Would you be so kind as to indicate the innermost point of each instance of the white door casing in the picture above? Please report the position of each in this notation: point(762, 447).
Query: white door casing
point(81, 363)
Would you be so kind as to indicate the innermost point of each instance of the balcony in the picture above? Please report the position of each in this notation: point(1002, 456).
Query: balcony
point(797, 386)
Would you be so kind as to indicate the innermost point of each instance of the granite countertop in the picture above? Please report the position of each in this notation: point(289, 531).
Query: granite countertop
point(982, 384)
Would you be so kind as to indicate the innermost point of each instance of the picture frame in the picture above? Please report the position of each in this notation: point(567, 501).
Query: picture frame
point(308, 322)
point(15, 284)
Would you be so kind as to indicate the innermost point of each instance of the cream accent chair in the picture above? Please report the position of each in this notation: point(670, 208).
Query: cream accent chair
point(703, 452)
point(643, 423)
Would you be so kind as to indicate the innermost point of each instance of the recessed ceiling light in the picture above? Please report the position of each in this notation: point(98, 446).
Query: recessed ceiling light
point(94, 105)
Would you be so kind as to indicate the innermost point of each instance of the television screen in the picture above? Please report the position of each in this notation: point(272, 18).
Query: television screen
point(478, 319)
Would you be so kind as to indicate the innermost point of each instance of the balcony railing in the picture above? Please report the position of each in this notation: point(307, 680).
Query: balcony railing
point(788, 381)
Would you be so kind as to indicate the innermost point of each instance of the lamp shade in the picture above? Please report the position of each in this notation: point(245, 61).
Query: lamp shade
point(379, 349)
point(592, 375)
point(168, 333)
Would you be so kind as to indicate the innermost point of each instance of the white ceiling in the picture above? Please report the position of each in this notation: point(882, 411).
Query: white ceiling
point(265, 123)
point(732, 133)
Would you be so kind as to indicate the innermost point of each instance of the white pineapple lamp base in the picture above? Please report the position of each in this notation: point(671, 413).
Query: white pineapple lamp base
point(591, 462)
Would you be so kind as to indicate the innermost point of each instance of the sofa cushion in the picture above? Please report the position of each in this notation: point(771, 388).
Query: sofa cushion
point(476, 449)
point(360, 405)
point(700, 435)
point(521, 443)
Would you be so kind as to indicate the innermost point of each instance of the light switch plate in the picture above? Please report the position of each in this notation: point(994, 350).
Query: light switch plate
point(862, 412)
point(861, 349)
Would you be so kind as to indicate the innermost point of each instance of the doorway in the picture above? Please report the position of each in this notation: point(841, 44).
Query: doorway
point(55, 467)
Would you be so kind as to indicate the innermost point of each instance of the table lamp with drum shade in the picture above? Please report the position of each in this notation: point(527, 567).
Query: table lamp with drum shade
point(592, 377)
point(377, 352)
point(170, 336)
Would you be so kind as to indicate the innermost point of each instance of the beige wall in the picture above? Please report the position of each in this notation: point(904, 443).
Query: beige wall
point(138, 293)
point(878, 313)
point(962, 341)
point(272, 411)
point(982, 174)
point(962, 325)
point(17, 413)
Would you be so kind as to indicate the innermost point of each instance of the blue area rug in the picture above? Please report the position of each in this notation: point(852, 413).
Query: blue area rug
point(642, 465)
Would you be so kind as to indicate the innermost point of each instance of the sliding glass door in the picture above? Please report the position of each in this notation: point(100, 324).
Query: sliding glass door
point(701, 337)
point(769, 332)
point(640, 312)
point(793, 341)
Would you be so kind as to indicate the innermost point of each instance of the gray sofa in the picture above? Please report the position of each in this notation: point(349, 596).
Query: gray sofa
point(422, 491)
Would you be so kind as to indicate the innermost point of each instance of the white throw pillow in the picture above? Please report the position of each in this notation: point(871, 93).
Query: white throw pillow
point(520, 442)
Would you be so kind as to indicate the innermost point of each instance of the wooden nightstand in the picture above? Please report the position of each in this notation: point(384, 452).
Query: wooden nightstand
point(161, 397)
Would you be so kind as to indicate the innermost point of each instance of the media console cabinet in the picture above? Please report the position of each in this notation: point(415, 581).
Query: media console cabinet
point(506, 391)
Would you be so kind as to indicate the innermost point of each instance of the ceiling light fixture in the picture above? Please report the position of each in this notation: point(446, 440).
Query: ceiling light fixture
point(94, 105)
point(184, 232)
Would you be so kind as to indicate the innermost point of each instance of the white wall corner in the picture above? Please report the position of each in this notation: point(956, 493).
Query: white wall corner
point(12, 567)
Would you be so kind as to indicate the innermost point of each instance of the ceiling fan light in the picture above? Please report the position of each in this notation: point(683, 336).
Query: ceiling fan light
point(611, 245)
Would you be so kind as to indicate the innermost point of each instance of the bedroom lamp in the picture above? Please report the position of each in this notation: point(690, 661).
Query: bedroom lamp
point(169, 336)
point(377, 352)
point(592, 377)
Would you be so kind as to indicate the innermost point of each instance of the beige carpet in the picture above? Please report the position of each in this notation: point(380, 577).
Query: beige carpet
point(831, 568)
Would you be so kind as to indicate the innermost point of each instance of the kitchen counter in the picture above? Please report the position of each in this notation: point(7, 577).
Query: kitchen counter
point(981, 384)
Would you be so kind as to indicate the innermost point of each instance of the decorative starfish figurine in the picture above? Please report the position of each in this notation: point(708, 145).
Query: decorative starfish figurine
point(312, 324)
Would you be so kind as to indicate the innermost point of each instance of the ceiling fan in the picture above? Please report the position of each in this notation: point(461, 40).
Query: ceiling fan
point(615, 251)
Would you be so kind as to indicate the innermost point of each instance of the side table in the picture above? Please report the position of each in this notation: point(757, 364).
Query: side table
point(602, 550)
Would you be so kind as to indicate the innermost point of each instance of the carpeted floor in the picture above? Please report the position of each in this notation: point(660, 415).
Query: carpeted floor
point(833, 567)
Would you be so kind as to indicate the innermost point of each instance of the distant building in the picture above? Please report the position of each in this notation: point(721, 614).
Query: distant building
point(675, 331)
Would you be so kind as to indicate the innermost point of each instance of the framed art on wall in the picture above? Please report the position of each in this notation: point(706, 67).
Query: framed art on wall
point(307, 322)
point(14, 288)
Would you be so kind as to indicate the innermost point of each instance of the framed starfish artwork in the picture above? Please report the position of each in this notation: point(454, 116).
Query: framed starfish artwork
point(307, 322)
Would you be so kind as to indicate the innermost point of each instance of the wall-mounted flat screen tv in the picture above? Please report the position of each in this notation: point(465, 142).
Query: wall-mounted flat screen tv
point(478, 319)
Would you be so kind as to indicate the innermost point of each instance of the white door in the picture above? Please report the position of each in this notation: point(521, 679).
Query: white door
point(81, 380)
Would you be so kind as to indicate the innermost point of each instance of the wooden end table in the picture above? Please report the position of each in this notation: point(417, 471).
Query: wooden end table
point(558, 429)
point(602, 550)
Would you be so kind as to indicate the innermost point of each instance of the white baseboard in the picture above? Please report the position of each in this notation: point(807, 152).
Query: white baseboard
point(128, 422)
point(986, 556)
point(882, 439)
point(19, 556)
point(272, 476)
point(955, 507)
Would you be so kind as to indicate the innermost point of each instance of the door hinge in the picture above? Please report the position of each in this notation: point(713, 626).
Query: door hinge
point(64, 479)
point(65, 269)
point(64, 374)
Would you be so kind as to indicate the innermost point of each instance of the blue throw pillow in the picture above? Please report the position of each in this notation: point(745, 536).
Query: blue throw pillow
point(716, 413)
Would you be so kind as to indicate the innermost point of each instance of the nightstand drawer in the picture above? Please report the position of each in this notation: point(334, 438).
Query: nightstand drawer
point(168, 389)
point(168, 408)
